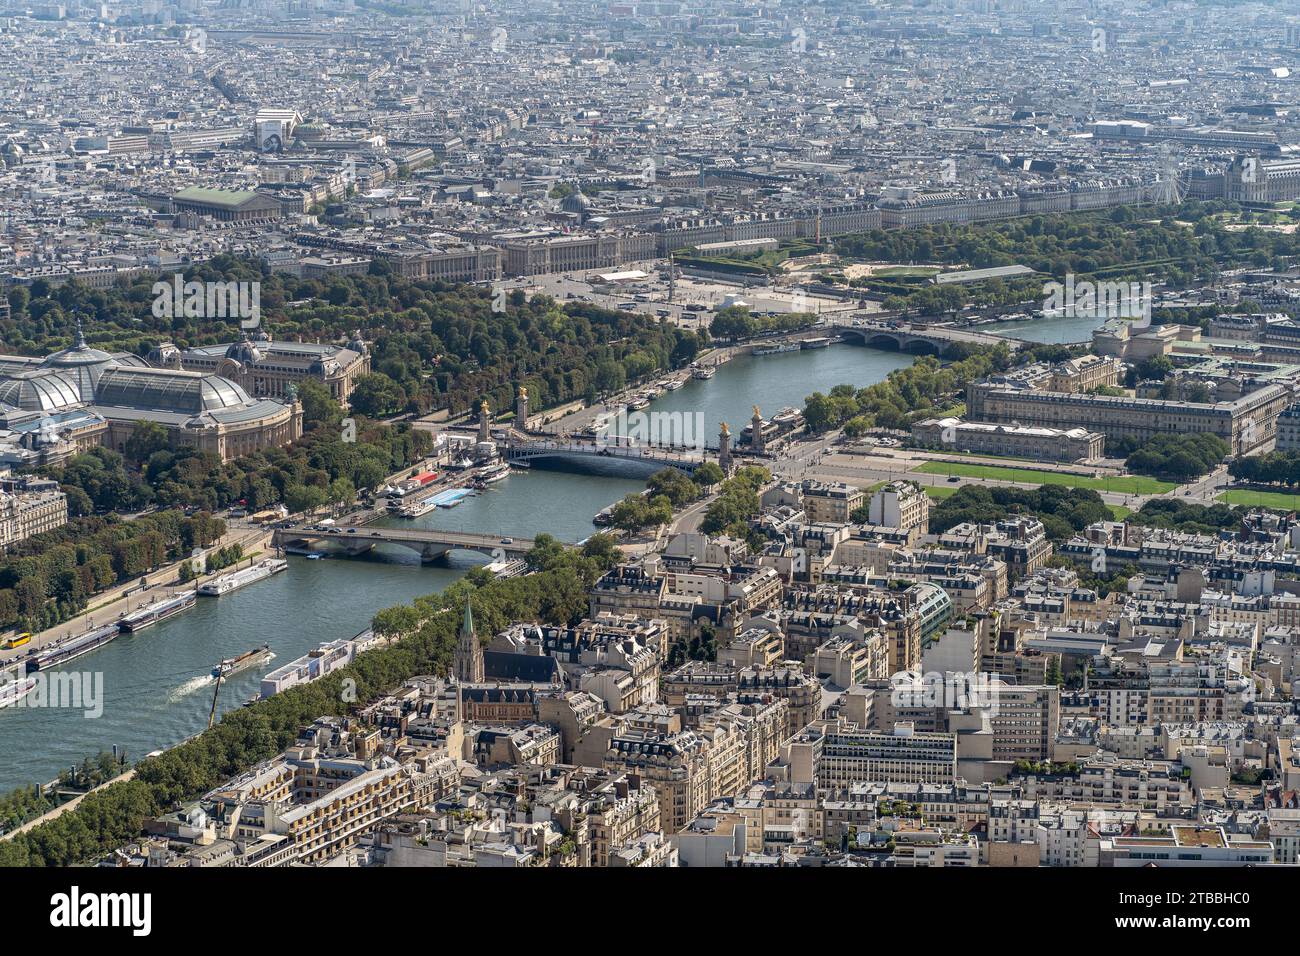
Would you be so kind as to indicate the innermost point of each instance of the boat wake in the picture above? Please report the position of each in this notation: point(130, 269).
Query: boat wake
point(189, 687)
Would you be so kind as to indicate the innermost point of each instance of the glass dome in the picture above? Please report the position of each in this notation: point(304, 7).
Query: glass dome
point(37, 392)
point(186, 392)
point(82, 365)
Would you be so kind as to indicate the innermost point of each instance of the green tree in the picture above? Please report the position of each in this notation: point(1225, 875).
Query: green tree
point(707, 474)
point(318, 407)
point(377, 395)
point(146, 438)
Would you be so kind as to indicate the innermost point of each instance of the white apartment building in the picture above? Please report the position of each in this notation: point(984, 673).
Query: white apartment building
point(838, 754)
point(902, 505)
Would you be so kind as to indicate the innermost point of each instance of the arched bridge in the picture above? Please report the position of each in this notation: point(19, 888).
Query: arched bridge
point(430, 543)
point(652, 457)
point(919, 338)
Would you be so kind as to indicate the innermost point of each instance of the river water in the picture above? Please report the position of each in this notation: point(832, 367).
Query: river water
point(773, 382)
point(1058, 331)
point(157, 688)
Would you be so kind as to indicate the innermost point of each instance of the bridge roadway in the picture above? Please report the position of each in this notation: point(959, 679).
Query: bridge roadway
point(653, 457)
point(905, 335)
point(430, 543)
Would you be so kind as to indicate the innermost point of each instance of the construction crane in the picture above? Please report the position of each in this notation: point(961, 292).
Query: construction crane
point(212, 714)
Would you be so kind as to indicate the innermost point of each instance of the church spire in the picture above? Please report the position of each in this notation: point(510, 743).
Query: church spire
point(468, 662)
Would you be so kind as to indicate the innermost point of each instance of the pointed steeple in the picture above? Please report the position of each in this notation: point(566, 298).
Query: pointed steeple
point(467, 625)
point(468, 663)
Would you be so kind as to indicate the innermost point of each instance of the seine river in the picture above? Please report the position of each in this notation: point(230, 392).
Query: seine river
point(156, 684)
point(1049, 331)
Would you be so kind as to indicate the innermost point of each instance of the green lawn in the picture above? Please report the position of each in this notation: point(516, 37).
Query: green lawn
point(1120, 512)
point(1016, 459)
point(1129, 484)
point(1262, 499)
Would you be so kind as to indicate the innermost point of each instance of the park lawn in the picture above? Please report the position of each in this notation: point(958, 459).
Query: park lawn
point(1120, 512)
point(1014, 459)
point(1129, 484)
point(1263, 499)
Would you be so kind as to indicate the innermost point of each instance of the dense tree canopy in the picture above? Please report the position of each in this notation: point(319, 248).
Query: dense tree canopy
point(433, 344)
point(1275, 468)
point(1062, 510)
point(1178, 457)
point(1184, 516)
point(322, 468)
point(1110, 244)
point(47, 579)
point(737, 502)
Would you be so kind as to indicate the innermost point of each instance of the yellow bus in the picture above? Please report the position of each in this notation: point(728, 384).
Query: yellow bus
point(17, 641)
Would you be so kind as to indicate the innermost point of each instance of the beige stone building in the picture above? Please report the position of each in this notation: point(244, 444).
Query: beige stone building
point(1245, 424)
point(527, 255)
point(691, 768)
point(830, 502)
point(25, 514)
point(271, 369)
point(628, 809)
point(1085, 374)
point(304, 807)
point(1017, 441)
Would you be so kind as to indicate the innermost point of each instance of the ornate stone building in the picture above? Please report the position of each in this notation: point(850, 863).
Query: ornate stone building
point(31, 512)
point(83, 395)
point(268, 369)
